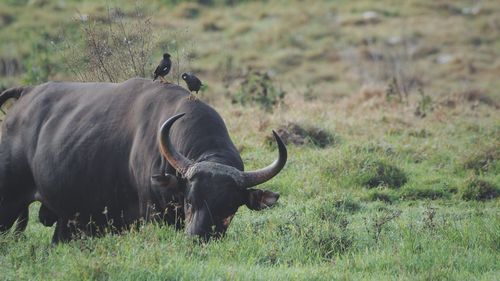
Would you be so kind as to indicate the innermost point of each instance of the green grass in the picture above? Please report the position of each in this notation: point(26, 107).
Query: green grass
point(378, 185)
point(300, 239)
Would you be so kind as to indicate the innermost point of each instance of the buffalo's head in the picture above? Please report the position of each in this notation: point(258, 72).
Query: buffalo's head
point(213, 191)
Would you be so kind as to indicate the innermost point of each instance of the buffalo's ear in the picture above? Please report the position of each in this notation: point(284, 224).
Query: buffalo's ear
point(260, 199)
point(165, 180)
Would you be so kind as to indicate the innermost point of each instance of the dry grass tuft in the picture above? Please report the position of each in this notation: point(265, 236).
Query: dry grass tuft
point(476, 95)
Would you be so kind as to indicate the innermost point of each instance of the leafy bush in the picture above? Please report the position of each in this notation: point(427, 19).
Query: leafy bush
point(375, 173)
point(480, 190)
point(258, 88)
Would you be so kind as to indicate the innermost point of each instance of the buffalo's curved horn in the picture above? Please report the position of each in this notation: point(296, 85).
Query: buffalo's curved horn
point(254, 178)
point(178, 161)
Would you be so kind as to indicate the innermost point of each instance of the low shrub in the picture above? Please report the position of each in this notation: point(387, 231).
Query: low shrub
point(293, 133)
point(480, 190)
point(258, 88)
point(374, 173)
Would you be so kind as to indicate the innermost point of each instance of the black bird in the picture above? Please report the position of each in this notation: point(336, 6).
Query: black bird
point(193, 83)
point(163, 68)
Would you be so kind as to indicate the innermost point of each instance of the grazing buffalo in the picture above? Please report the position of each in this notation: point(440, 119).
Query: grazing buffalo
point(105, 156)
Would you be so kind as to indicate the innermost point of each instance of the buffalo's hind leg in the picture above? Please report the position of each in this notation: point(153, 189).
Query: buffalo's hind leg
point(16, 189)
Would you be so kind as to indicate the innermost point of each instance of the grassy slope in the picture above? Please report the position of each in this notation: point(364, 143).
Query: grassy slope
point(328, 224)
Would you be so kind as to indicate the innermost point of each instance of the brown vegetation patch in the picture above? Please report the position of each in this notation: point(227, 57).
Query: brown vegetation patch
point(293, 133)
point(211, 26)
point(476, 95)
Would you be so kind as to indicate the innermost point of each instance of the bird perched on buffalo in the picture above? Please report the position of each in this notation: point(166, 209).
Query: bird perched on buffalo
point(163, 68)
point(193, 83)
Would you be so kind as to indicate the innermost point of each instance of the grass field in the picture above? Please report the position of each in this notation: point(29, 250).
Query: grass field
point(390, 110)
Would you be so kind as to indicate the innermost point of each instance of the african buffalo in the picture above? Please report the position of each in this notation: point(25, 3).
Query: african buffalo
point(105, 154)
